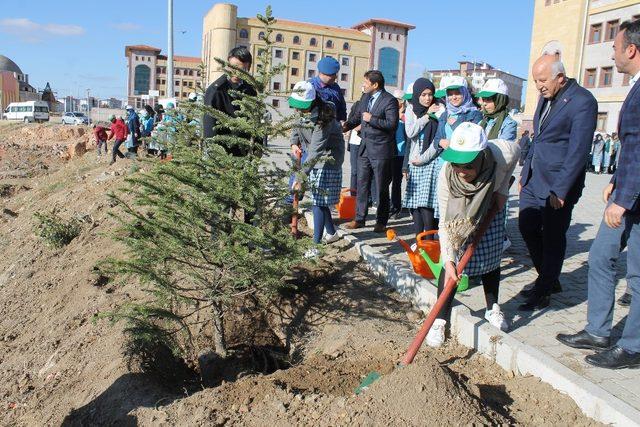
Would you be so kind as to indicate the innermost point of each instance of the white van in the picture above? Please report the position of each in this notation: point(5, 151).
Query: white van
point(30, 111)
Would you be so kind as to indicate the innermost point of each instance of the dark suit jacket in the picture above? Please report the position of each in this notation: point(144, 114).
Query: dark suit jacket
point(556, 162)
point(627, 178)
point(379, 134)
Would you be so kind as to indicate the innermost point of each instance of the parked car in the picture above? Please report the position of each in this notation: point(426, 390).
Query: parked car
point(28, 112)
point(75, 118)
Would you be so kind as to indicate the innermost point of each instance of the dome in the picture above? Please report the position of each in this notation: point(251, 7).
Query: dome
point(8, 65)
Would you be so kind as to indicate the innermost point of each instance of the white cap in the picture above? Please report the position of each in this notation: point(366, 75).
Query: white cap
point(302, 95)
point(450, 82)
point(193, 96)
point(492, 87)
point(128, 107)
point(467, 140)
point(398, 94)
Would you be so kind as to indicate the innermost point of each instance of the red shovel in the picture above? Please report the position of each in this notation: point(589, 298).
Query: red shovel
point(294, 217)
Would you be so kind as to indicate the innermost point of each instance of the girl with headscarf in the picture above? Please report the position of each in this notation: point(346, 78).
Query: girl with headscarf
point(475, 177)
point(496, 121)
point(420, 171)
point(598, 150)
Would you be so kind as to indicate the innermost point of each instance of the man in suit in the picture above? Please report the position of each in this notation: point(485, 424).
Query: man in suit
point(553, 174)
point(620, 227)
point(378, 119)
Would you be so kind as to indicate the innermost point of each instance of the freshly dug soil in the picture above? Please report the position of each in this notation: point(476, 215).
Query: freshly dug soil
point(300, 364)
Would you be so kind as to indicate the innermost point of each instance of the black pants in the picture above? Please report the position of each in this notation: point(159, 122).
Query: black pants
point(490, 283)
point(544, 230)
point(424, 220)
point(380, 171)
point(396, 183)
point(353, 163)
point(116, 150)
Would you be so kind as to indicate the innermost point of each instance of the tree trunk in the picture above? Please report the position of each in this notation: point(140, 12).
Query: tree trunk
point(218, 330)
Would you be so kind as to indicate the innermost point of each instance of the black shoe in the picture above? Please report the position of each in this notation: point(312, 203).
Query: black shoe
point(399, 214)
point(625, 300)
point(394, 211)
point(535, 303)
point(584, 339)
point(527, 293)
point(614, 358)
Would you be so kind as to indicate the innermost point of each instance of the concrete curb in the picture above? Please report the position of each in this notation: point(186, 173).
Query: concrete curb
point(511, 354)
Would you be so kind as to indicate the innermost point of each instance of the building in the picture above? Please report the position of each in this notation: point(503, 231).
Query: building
point(9, 90)
point(110, 103)
point(147, 70)
point(581, 33)
point(71, 104)
point(477, 73)
point(26, 91)
point(373, 44)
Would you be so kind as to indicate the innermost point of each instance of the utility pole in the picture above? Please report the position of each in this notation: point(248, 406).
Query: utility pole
point(88, 105)
point(170, 76)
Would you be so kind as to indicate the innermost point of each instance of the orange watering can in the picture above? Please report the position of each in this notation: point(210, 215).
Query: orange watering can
point(347, 205)
point(419, 264)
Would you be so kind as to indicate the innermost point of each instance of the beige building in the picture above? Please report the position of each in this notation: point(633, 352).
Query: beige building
point(376, 43)
point(477, 73)
point(147, 74)
point(581, 32)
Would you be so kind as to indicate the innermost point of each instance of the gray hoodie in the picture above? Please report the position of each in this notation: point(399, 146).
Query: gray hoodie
point(324, 146)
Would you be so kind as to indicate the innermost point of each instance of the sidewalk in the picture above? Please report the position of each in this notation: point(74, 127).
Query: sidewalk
point(537, 331)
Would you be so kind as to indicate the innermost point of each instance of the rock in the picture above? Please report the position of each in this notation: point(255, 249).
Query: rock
point(414, 315)
point(9, 212)
point(77, 149)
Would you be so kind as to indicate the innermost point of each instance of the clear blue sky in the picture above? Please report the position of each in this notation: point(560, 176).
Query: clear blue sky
point(76, 44)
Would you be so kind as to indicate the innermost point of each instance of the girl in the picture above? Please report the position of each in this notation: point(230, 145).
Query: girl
point(598, 150)
point(496, 121)
point(321, 136)
point(476, 177)
point(420, 127)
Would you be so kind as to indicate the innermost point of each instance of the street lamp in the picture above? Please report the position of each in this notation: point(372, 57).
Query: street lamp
point(170, 77)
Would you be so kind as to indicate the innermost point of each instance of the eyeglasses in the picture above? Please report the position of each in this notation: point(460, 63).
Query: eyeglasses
point(465, 166)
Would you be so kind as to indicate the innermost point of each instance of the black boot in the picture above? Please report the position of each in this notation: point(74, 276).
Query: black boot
point(556, 288)
point(535, 302)
point(584, 339)
point(614, 358)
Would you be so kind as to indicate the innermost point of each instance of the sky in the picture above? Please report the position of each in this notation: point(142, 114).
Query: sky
point(79, 44)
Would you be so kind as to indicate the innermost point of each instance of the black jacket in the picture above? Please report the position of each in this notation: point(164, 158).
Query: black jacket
point(379, 134)
point(218, 97)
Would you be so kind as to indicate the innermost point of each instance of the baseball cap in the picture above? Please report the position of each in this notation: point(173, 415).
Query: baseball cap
point(492, 87)
point(302, 96)
point(467, 140)
point(128, 107)
point(450, 82)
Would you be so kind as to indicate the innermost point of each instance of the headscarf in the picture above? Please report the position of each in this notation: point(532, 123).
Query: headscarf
point(501, 102)
point(469, 201)
point(418, 87)
point(467, 103)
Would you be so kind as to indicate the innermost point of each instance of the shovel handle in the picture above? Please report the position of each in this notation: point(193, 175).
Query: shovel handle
point(449, 287)
point(294, 217)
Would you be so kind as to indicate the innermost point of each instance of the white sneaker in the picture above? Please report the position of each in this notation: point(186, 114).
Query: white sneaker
point(496, 318)
point(414, 247)
point(330, 238)
point(312, 253)
point(435, 337)
point(506, 244)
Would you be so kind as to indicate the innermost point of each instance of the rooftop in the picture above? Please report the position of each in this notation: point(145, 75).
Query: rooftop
point(7, 64)
point(383, 21)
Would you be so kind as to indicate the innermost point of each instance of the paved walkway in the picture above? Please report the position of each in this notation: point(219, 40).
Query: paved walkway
point(567, 312)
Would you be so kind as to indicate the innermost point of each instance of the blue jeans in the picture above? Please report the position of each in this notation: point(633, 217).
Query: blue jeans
point(603, 255)
point(322, 220)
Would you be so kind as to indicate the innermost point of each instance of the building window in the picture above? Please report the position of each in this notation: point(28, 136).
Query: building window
point(312, 57)
point(261, 35)
point(595, 33)
point(343, 77)
point(276, 85)
point(261, 51)
point(157, 81)
point(184, 94)
point(311, 73)
point(397, 37)
point(275, 103)
point(164, 82)
point(296, 39)
point(345, 46)
point(601, 124)
point(177, 83)
point(329, 44)
point(137, 58)
point(141, 80)
point(313, 42)
point(381, 35)
point(278, 53)
point(606, 76)
point(547, 2)
point(612, 30)
point(388, 63)
point(389, 36)
point(176, 94)
point(158, 70)
point(190, 84)
point(345, 62)
point(279, 38)
point(292, 85)
point(295, 56)
point(161, 93)
point(244, 34)
point(589, 77)
point(294, 71)
point(626, 80)
point(177, 71)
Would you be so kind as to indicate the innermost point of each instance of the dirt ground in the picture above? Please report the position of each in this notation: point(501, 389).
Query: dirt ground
point(60, 366)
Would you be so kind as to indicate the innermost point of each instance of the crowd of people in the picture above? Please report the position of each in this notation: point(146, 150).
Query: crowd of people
point(457, 152)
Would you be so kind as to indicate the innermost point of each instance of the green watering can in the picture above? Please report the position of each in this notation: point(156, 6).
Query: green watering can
point(436, 269)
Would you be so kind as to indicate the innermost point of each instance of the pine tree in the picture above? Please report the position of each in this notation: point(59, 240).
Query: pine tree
point(183, 222)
